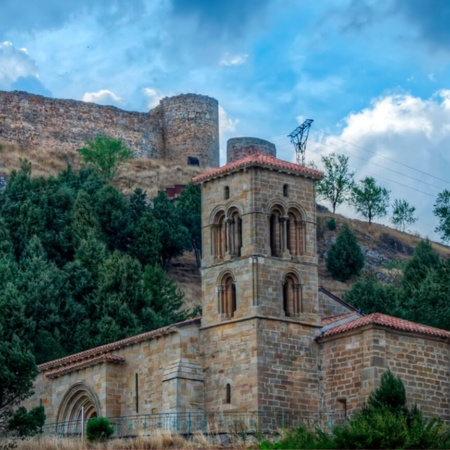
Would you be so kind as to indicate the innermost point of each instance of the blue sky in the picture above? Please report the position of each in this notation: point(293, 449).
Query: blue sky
point(373, 74)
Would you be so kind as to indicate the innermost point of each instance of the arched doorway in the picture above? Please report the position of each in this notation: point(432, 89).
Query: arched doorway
point(79, 396)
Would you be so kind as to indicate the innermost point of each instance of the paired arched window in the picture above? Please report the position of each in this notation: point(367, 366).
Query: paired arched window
point(227, 234)
point(219, 241)
point(292, 296)
point(295, 233)
point(286, 232)
point(227, 296)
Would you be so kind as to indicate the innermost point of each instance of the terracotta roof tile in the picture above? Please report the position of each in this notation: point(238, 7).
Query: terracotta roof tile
point(108, 358)
point(385, 321)
point(107, 348)
point(330, 320)
point(259, 160)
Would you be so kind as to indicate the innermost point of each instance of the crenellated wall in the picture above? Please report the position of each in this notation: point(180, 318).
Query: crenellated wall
point(179, 127)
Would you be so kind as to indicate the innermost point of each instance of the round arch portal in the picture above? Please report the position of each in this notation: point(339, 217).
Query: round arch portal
point(79, 396)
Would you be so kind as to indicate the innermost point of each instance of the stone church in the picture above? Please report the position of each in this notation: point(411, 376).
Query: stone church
point(269, 338)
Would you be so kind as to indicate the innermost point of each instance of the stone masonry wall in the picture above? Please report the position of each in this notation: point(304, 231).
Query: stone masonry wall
point(182, 126)
point(114, 384)
point(352, 365)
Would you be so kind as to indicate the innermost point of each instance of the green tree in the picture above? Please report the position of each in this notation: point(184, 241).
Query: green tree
point(370, 296)
point(84, 219)
point(345, 259)
point(338, 181)
point(99, 429)
point(146, 243)
point(417, 268)
point(369, 199)
point(174, 235)
point(17, 365)
point(190, 208)
point(442, 212)
point(164, 299)
point(402, 214)
point(106, 155)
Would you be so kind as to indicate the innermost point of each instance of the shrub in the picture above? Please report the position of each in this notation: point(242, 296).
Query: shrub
point(344, 259)
point(99, 429)
point(331, 224)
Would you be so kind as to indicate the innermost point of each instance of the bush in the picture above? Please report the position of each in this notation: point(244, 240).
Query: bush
point(344, 259)
point(99, 429)
point(331, 224)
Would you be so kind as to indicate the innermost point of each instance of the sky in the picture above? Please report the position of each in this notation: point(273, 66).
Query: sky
point(374, 75)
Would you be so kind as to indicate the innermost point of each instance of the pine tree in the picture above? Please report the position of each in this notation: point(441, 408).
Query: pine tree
point(345, 259)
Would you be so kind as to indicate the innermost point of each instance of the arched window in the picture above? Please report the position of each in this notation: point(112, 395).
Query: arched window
point(219, 238)
point(277, 233)
point(235, 233)
point(227, 296)
point(295, 231)
point(292, 296)
point(285, 190)
point(226, 192)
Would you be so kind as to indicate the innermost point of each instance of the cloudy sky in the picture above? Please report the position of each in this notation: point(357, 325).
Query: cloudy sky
point(373, 74)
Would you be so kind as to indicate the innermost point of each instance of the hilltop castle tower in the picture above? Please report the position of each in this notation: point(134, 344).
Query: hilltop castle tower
point(259, 281)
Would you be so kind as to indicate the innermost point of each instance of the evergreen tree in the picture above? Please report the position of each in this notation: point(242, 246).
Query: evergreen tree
point(190, 209)
point(146, 244)
point(164, 299)
point(424, 259)
point(344, 259)
point(370, 296)
point(174, 235)
point(84, 219)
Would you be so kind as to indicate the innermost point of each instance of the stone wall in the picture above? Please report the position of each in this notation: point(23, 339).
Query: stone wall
point(169, 375)
point(239, 147)
point(179, 127)
point(352, 365)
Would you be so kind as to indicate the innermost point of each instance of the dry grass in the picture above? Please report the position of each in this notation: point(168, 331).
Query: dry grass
point(370, 236)
point(158, 440)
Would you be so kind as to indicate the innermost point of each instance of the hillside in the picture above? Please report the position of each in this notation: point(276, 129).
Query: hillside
point(380, 244)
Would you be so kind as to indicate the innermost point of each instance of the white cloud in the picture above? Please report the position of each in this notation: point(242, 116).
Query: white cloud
point(226, 124)
point(102, 97)
point(154, 97)
point(233, 60)
point(14, 63)
point(402, 141)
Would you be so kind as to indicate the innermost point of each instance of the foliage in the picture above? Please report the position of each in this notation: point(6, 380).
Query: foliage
point(442, 211)
point(106, 155)
point(370, 296)
point(190, 208)
point(416, 270)
point(26, 423)
point(369, 199)
point(174, 235)
point(385, 422)
point(331, 224)
point(99, 429)
point(76, 259)
point(402, 214)
point(344, 259)
point(338, 182)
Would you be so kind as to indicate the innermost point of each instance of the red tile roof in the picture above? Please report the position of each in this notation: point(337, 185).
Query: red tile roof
point(108, 348)
point(330, 320)
point(108, 358)
point(385, 321)
point(258, 160)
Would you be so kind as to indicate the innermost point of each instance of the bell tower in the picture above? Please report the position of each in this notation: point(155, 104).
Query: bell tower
point(259, 284)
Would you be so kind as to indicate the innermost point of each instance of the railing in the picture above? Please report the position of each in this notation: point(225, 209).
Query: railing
point(226, 422)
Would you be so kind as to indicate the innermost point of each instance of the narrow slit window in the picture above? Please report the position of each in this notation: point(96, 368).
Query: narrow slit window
point(228, 393)
point(226, 193)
